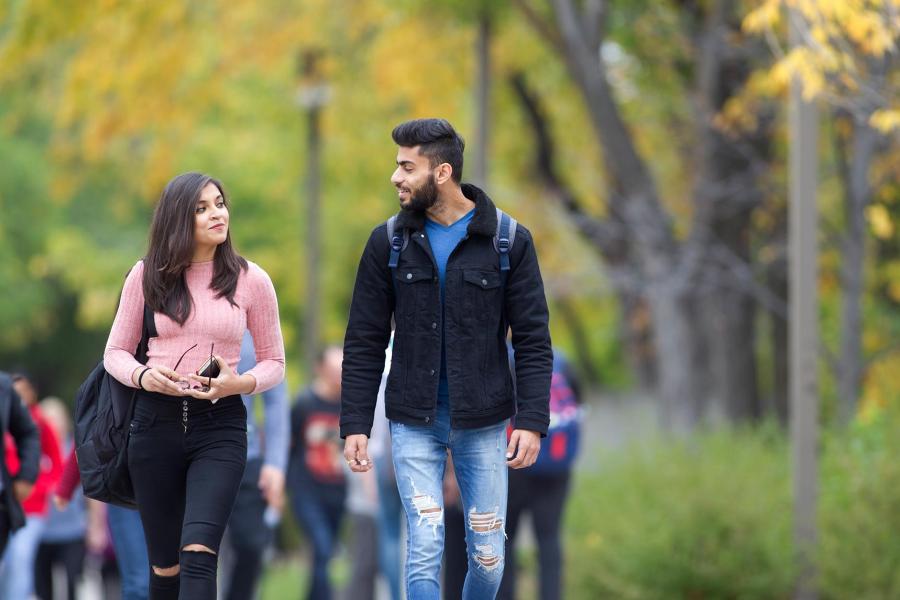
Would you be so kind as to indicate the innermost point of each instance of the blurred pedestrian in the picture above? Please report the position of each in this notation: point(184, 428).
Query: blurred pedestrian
point(456, 557)
point(316, 482)
point(390, 509)
point(63, 541)
point(453, 274)
point(17, 570)
point(15, 486)
point(542, 490)
point(260, 498)
point(362, 511)
point(125, 532)
point(187, 457)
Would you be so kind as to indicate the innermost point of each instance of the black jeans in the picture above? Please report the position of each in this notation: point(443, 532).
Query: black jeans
point(70, 555)
point(186, 458)
point(544, 497)
point(248, 535)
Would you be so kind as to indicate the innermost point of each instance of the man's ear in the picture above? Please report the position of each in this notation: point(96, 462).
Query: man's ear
point(445, 172)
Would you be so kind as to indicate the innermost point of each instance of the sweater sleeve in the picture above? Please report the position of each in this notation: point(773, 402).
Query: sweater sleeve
point(118, 359)
point(265, 327)
point(70, 477)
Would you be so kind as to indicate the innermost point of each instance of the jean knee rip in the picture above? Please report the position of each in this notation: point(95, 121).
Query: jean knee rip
point(430, 511)
point(486, 522)
point(487, 558)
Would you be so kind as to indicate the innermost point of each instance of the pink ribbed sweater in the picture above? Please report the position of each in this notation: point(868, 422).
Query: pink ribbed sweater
point(212, 320)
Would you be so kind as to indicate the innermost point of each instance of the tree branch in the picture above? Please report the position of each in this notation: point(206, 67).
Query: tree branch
point(550, 35)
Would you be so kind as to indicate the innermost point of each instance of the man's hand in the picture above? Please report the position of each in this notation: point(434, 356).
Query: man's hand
point(22, 489)
point(271, 484)
point(524, 445)
point(356, 453)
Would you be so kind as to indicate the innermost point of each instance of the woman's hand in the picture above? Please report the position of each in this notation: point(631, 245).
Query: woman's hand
point(228, 383)
point(161, 380)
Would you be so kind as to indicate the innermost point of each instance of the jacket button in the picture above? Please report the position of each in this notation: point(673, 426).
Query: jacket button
point(434, 325)
point(427, 419)
point(484, 282)
point(409, 275)
point(431, 372)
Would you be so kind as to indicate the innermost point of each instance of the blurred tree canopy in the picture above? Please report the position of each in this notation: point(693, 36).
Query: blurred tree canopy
point(642, 143)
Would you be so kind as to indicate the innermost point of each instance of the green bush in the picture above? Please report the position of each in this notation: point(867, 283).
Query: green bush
point(859, 545)
point(705, 518)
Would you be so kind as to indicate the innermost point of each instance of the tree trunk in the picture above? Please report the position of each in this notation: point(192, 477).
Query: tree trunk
point(579, 339)
point(482, 102)
point(777, 280)
point(676, 341)
point(636, 332)
point(857, 197)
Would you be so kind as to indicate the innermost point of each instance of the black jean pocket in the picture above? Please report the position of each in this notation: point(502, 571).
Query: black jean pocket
point(141, 423)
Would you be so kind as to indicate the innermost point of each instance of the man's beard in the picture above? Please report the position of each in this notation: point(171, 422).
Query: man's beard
point(424, 197)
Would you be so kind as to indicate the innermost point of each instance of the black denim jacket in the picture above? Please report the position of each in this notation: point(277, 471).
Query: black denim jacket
point(477, 313)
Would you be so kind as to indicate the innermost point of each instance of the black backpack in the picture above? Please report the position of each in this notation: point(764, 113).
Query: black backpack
point(504, 238)
point(103, 412)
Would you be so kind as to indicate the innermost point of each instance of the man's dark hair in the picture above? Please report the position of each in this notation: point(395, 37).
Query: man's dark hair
point(436, 139)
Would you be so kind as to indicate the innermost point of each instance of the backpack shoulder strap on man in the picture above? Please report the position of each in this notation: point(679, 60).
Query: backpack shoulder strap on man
point(397, 241)
point(504, 240)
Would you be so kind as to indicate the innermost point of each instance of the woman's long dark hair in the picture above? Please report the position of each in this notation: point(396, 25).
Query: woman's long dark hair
point(172, 248)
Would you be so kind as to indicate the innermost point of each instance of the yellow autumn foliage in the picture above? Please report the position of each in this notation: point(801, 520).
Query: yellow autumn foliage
point(840, 41)
point(880, 221)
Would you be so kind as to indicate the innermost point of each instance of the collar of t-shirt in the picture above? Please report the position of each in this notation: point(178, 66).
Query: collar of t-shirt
point(444, 239)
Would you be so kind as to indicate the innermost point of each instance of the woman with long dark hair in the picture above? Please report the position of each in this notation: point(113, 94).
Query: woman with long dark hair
point(188, 442)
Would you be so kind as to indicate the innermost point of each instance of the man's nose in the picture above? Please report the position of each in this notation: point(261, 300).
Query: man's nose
point(396, 179)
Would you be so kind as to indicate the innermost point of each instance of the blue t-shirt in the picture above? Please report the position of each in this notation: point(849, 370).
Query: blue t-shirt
point(443, 240)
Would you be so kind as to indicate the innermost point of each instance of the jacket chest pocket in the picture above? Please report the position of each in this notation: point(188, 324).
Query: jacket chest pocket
point(481, 295)
point(412, 287)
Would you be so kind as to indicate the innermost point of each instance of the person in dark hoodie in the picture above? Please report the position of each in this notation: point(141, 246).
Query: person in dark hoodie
point(441, 277)
point(15, 420)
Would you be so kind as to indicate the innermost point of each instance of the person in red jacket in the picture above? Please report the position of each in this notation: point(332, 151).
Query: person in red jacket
point(17, 569)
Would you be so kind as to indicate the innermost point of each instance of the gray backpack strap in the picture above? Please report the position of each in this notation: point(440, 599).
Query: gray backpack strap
point(391, 224)
point(504, 238)
point(397, 242)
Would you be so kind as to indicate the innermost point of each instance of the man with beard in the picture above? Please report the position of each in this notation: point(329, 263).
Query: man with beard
point(438, 275)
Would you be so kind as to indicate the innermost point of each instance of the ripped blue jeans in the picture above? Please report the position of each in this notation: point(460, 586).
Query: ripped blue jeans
point(479, 457)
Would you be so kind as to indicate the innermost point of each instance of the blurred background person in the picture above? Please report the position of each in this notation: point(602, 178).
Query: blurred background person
point(316, 481)
point(260, 499)
point(362, 520)
point(456, 558)
point(17, 426)
point(390, 510)
point(125, 536)
point(65, 537)
point(17, 570)
point(542, 489)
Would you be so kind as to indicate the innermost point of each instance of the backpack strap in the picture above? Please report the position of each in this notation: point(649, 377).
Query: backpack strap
point(397, 241)
point(504, 240)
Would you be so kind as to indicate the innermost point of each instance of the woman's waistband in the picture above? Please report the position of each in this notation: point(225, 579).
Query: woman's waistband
point(163, 404)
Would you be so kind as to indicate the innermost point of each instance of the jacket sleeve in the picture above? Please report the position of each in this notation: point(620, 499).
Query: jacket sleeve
point(27, 438)
point(529, 321)
point(368, 333)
